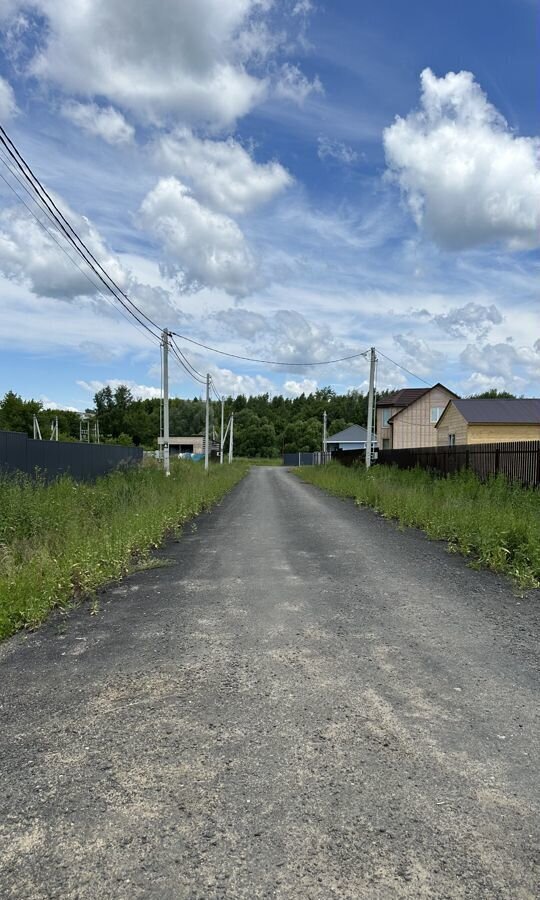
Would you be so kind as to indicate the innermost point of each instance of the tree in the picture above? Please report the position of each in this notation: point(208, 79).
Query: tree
point(493, 394)
point(17, 414)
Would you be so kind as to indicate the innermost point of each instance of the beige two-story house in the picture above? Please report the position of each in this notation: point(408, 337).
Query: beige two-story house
point(408, 417)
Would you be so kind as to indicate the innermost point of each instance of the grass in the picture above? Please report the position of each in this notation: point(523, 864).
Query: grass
point(496, 523)
point(60, 542)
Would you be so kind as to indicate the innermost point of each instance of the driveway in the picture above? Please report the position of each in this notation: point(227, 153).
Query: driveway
point(301, 702)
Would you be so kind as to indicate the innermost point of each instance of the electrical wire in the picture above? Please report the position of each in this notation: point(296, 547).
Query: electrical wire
point(70, 233)
point(269, 362)
point(178, 359)
point(51, 235)
point(186, 360)
point(404, 369)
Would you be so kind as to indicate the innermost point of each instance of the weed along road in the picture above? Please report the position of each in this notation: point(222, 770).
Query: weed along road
point(301, 702)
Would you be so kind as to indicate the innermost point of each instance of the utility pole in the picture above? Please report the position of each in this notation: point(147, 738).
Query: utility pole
point(37, 430)
point(54, 429)
point(231, 439)
point(221, 435)
point(372, 362)
point(165, 445)
point(324, 434)
point(207, 424)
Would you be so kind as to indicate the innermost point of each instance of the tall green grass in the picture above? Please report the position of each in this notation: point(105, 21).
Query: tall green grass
point(61, 541)
point(496, 523)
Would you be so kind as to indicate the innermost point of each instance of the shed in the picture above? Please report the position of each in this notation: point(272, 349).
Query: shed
point(352, 438)
point(190, 445)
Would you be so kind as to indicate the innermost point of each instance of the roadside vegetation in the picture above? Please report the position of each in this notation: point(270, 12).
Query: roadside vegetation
point(60, 542)
point(496, 523)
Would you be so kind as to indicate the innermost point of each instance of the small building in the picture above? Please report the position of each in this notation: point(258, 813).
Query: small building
point(488, 421)
point(188, 446)
point(352, 438)
point(408, 418)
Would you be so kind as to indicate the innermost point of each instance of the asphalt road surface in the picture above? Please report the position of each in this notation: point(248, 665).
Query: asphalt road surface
point(304, 702)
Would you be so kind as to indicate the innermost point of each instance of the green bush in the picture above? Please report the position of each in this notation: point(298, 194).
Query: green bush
point(61, 541)
point(496, 522)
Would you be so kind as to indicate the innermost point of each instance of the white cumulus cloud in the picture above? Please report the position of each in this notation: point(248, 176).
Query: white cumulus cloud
point(223, 173)
point(50, 267)
point(232, 384)
point(284, 336)
point(468, 179)
point(139, 391)
point(419, 353)
point(471, 319)
point(201, 247)
point(28, 254)
point(296, 388)
point(184, 59)
point(104, 122)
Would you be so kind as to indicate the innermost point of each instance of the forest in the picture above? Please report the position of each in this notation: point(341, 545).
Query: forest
point(264, 426)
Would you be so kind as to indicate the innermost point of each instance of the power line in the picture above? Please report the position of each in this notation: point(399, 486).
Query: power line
point(178, 359)
point(269, 362)
point(61, 247)
point(70, 233)
point(404, 369)
point(186, 360)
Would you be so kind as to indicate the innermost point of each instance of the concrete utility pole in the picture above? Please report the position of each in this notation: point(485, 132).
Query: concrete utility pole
point(231, 439)
point(37, 430)
point(324, 432)
point(221, 435)
point(166, 436)
point(54, 429)
point(207, 424)
point(372, 362)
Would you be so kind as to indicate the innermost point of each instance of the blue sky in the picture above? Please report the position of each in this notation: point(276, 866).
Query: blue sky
point(299, 182)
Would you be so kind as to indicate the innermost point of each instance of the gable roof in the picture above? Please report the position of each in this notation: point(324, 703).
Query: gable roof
point(406, 396)
point(499, 411)
point(354, 434)
point(422, 394)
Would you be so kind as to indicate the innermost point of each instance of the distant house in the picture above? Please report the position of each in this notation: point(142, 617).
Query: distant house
point(188, 446)
point(488, 421)
point(408, 417)
point(352, 438)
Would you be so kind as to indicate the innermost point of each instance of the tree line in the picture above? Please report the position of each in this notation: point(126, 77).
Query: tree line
point(264, 426)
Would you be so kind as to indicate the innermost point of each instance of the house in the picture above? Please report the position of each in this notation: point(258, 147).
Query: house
point(352, 438)
point(488, 421)
point(408, 417)
point(188, 446)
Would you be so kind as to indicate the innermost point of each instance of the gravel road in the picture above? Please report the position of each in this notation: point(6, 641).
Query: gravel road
point(302, 702)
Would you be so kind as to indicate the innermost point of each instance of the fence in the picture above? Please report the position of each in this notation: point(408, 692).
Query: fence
point(18, 453)
point(517, 460)
point(306, 459)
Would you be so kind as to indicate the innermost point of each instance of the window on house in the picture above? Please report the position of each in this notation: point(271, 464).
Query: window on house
point(436, 413)
point(386, 444)
point(451, 440)
point(385, 416)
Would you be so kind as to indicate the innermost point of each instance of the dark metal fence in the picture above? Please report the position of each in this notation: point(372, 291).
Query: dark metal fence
point(306, 459)
point(19, 453)
point(517, 460)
